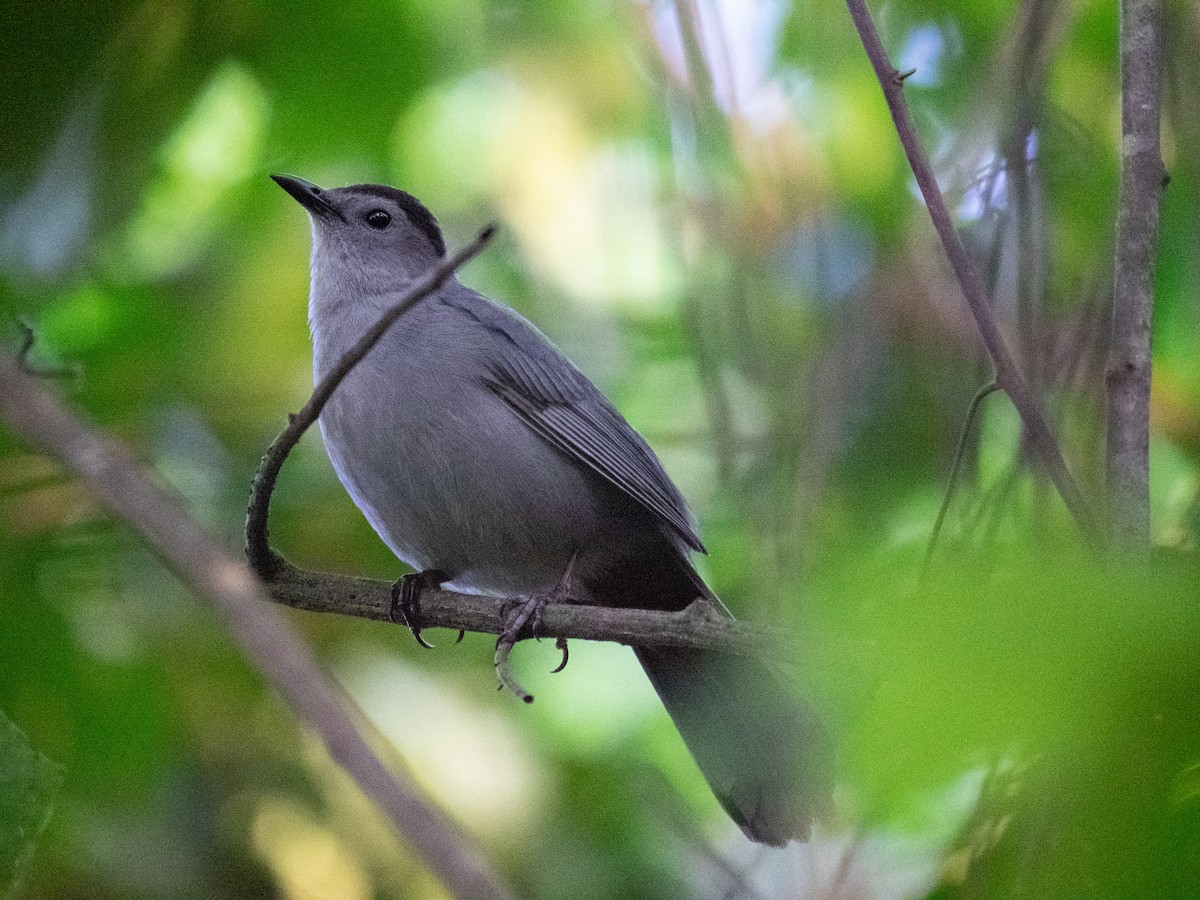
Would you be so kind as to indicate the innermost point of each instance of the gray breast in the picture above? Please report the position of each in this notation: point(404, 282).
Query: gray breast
point(444, 470)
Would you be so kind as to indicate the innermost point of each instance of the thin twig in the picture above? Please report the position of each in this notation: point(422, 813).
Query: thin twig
point(262, 558)
point(979, 397)
point(28, 339)
point(265, 635)
point(1129, 368)
point(1008, 373)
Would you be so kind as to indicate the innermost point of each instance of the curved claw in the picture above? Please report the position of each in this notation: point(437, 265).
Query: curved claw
point(406, 609)
point(522, 617)
point(461, 634)
point(416, 633)
point(561, 644)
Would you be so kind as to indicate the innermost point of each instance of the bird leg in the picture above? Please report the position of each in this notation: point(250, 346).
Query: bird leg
point(522, 617)
point(406, 601)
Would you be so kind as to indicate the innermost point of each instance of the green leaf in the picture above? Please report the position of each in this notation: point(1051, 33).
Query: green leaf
point(28, 785)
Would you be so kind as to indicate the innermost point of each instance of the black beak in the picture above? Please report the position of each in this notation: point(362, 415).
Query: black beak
point(308, 195)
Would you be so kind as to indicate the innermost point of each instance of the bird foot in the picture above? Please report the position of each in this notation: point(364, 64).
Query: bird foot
point(406, 601)
point(522, 617)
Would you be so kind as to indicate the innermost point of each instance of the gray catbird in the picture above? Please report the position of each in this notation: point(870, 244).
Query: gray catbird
point(486, 460)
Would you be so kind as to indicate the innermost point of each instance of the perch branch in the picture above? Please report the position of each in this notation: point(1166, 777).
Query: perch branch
point(265, 635)
point(1008, 372)
point(699, 626)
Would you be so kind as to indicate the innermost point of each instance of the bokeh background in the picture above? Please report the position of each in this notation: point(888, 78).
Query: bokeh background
point(705, 205)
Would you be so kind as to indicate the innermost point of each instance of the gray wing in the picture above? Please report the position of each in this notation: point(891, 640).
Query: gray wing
point(558, 402)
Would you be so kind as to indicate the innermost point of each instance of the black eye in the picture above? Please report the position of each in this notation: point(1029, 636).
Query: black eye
point(377, 218)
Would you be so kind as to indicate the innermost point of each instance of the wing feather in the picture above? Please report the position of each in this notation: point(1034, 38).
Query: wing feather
point(566, 409)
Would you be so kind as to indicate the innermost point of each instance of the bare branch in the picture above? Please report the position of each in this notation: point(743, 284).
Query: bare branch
point(1008, 373)
point(698, 626)
point(262, 558)
point(1129, 367)
point(265, 635)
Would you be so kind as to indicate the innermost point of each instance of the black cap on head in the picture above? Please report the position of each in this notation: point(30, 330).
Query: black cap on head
point(413, 208)
point(316, 201)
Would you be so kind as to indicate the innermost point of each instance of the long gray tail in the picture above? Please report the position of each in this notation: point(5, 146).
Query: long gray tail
point(764, 756)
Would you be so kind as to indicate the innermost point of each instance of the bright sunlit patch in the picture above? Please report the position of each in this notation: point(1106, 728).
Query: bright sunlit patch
point(862, 148)
point(598, 702)
point(215, 147)
point(307, 859)
point(467, 755)
point(740, 44)
point(587, 213)
point(447, 137)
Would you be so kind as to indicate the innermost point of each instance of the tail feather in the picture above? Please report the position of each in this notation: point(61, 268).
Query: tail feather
point(761, 752)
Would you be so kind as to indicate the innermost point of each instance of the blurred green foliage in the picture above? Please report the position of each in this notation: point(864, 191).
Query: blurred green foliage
point(28, 782)
point(737, 257)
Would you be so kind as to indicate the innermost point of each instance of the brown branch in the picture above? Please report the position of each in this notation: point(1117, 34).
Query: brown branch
point(265, 635)
point(1008, 373)
point(1129, 365)
point(699, 626)
point(262, 558)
